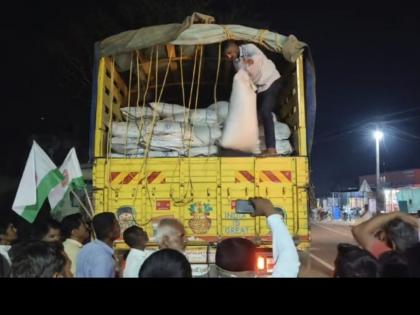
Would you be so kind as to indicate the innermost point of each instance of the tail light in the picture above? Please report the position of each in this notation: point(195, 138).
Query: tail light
point(260, 263)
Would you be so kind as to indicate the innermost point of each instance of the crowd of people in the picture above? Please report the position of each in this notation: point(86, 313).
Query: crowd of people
point(77, 248)
point(388, 246)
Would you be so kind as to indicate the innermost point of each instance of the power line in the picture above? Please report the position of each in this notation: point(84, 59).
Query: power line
point(379, 120)
point(405, 133)
point(400, 120)
point(366, 128)
point(400, 112)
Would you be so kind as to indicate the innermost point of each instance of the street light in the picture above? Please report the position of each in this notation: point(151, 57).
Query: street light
point(379, 135)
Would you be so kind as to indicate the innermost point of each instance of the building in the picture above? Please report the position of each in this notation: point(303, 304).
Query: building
point(392, 183)
point(396, 179)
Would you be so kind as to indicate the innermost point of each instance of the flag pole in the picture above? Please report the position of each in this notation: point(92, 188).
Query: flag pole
point(89, 201)
point(81, 203)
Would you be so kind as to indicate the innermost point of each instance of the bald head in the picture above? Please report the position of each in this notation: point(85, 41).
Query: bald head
point(171, 234)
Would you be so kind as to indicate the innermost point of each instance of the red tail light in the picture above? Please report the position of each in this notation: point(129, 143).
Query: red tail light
point(260, 263)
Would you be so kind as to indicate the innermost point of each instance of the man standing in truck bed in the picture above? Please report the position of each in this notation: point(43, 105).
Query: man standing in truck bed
point(266, 77)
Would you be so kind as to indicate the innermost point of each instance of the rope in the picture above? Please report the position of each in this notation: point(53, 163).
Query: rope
point(138, 98)
point(147, 147)
point(195, 110)
point(217, 81)
point(260, 37)
point(187, 125)
point(145, 94)
point(184, 201)
point(157, 73)
point(185, 108)
point(128, 104)
point(152, 124)
point(192, 80)
point(182, 79)
point(277, 40)
point(228, 34)
point(199, 76)
point(142, 118)
point(186, 111)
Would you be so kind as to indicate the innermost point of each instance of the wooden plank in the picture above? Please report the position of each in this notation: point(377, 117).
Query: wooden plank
point(119, 82)
point(144, 65)
point(163, 63)
point(117, 94)
point(171, 53)
point(115, 108)
point(105, 122)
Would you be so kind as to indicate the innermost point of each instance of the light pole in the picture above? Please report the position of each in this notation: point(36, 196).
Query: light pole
point(378, 137)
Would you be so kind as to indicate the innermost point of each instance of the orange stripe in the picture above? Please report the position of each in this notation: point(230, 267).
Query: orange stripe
point(118, 177)
point(160, 178)
point(128, 178)
point(141, 180)
point(271, 176)
point(280, 176)
point(263, 178)
point(136, 179)
point(240, 178)
point(288, 175)
point(152, 177)
point(247, 175)
point(113, 176)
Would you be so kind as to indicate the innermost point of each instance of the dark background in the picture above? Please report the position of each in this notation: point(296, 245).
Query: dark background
point(366, 61)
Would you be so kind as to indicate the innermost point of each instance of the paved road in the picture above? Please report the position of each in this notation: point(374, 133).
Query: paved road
point(319, 262)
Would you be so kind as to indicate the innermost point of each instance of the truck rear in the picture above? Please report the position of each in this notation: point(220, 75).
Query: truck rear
point(199, 191)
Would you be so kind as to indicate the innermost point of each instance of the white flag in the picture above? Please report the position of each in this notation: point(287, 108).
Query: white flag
point(73, 178)
point(39, 178)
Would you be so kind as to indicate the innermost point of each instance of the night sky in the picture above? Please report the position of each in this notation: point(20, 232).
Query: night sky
point(366, 62)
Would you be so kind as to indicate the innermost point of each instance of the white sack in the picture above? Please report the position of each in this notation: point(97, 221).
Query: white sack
point(221, 108)
point(241, 127)
point(282, 131)
point(197, 117)
point(133, 113)
point(167, 110)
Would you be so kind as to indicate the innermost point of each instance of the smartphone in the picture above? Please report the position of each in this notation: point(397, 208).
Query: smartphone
point(244, 207)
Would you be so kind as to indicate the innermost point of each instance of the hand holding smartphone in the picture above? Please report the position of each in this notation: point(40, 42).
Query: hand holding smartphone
point(257, 207)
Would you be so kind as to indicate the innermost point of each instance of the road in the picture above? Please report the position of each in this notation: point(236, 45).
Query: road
point(319, 262)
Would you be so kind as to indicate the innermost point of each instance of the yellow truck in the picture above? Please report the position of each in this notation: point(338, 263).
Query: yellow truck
point(183, 64)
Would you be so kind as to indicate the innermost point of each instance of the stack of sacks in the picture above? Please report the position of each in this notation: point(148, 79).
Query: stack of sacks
point(282, 133)
point(172, 130)
point(179, 131)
